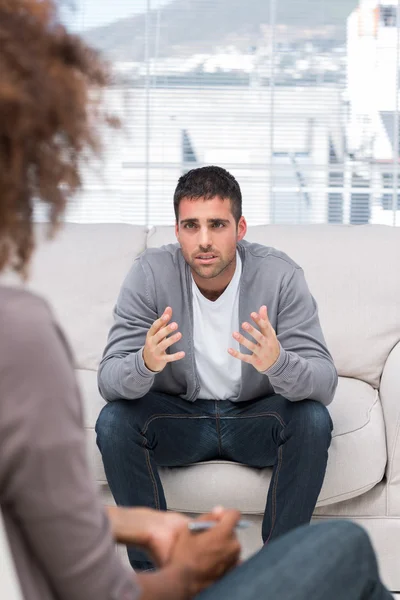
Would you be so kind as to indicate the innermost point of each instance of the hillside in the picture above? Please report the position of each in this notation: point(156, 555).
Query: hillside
point(190, 26)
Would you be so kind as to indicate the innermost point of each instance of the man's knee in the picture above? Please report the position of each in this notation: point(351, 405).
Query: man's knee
point(312, 421)
point(112, 423)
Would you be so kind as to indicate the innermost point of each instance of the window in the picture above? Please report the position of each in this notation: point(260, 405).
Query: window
point(388, 15)
point(291, 96)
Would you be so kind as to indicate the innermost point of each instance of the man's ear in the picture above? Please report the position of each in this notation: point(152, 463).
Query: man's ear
point(241, 229)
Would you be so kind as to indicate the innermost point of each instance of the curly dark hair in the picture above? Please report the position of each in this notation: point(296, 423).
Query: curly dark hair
point(50, 113)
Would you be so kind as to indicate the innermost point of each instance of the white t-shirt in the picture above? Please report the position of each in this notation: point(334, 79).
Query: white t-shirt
point(214, 323)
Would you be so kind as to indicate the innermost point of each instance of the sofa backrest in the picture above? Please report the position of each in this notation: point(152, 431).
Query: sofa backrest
point(353, 273)
point(80, 273)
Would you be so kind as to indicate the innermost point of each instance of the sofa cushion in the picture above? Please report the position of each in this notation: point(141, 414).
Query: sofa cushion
point(357, 456)
point(351, 273)
point(80, 274)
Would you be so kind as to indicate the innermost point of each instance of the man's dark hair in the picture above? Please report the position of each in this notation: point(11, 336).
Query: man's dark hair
point(207, 183)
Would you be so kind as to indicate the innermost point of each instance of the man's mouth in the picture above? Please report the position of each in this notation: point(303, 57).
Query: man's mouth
point(206, 259)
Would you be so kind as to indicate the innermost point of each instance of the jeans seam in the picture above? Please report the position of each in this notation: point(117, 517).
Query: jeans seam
point(267, 414)
point(273, 520)
point(147, 452)
point(152, 477)
point(167, 416)
point(218, 426)
point(184, 416)
point(280, 453)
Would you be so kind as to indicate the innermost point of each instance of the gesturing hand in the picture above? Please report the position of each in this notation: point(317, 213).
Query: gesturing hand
point(154, 353)
point(266, 348)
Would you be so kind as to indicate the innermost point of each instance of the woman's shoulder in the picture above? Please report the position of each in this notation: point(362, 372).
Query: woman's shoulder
point(22, 310)
point(32, 346)
point(26, 323)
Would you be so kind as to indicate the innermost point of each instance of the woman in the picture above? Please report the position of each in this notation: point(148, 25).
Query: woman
point(60, 536)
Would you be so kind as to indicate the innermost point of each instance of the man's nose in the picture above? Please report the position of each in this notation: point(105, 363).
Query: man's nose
point(205, 237)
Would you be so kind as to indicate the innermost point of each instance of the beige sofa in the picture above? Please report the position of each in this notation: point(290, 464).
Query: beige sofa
point(353, 273)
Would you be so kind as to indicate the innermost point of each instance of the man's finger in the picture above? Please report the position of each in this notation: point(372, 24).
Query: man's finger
point(161, 322)
point(255, 348)
point(173, 357)
point(257, 335)
point(262, 320)
point(247, 358)
point(163, 332)
point(166, 343)
point(264, 315)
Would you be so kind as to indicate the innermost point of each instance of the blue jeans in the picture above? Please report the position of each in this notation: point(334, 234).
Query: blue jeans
point(332, 561)
point(135, 437)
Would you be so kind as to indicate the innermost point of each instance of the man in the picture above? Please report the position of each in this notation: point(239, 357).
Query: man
point(242, 373)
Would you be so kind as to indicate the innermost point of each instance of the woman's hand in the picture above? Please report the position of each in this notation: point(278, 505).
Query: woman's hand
point(152, 530)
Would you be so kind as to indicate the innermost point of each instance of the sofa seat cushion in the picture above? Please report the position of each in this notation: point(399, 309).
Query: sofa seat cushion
point(357, 457)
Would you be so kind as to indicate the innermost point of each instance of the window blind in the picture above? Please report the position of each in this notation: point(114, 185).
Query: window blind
point(299, 99)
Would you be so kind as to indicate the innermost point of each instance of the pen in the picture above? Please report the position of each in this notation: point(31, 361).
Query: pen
point(197, 526)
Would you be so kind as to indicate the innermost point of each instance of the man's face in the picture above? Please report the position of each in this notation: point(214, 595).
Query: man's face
point(207, 233)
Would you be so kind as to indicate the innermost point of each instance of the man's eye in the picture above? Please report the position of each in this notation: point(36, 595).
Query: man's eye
point(218, 225)
point(190, 225)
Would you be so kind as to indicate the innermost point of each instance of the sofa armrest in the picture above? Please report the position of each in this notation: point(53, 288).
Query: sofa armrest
point(389, 392)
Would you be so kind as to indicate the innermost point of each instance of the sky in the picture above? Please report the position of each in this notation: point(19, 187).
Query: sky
point(93, 13)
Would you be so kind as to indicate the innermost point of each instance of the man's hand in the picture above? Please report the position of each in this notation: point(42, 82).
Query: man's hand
point(266, 348)
point(154, 353)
